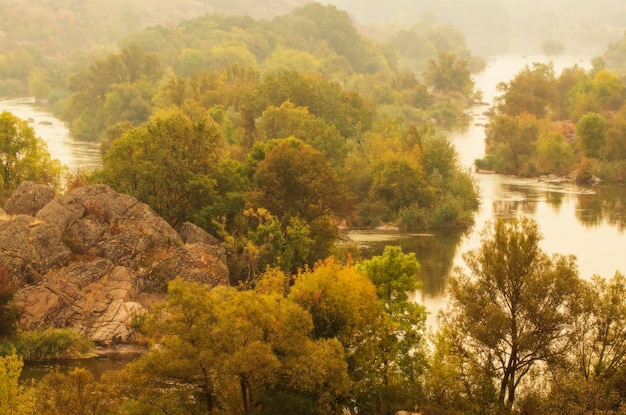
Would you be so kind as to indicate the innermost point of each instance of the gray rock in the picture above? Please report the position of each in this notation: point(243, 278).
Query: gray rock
point(197, 262)
point(28, 198)
point(29, 247)
point(62, 212)
point(191, 233)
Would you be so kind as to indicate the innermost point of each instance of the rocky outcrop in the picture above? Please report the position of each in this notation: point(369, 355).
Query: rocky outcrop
point(28, 199)
point(94, 259)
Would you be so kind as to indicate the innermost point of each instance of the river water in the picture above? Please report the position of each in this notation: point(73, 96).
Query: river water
point(70, 152)
point(587, 222)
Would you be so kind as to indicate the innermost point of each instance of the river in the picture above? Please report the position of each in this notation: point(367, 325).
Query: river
point(69, 151)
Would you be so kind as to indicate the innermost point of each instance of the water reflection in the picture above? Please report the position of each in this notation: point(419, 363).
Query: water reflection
point(97, 366)
point(435, 252)
point(607, 207)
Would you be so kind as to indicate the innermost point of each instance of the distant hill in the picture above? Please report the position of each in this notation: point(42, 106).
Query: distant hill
point(500, 26)
point(58, 27)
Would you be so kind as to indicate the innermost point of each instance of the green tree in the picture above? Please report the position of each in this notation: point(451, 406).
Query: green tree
point(512, 140)
point(23, 156)
point(449, 72)
point(591, 129)
point(9, 314)
point(399, 336)
point(296, 181)
point(346, 110)
point(515, 307)
point(328, 24)
point(554, 154)
point(289, 121)
point(15, 399)
point(38, 85)
point(533, 90)
point(614, 148)
point(395, 276)
point(165, 164)
point(90, 85)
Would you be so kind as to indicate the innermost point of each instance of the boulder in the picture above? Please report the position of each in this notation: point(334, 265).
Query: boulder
point(198, 262)
point(62, 212)
point(191, 233)
point(28, 198)
point(95, 258)
point(94, 297)
point(29, 247)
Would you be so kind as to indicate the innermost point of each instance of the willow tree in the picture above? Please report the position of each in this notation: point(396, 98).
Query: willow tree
point(514, 309)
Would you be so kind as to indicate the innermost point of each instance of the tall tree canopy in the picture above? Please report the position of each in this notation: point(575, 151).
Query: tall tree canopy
point(514, 308)
point(165, 164)
point(227, 351)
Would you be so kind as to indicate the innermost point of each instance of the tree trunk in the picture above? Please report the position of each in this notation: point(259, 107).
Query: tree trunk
point(244, 394)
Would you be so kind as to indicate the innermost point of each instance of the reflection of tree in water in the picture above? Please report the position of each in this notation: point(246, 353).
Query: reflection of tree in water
point(608, 206)
point(555, 199)
point(435, 252)
point(513, 208)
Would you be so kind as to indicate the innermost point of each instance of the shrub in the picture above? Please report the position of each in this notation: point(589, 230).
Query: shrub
point(52, 344)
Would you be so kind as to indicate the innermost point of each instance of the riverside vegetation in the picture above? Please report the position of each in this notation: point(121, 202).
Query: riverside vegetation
point(268, 135)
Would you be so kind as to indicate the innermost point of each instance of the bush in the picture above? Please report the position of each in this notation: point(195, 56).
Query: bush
point(52, 344)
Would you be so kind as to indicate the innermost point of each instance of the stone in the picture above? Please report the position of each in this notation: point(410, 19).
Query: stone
point(28, 199)
point(94, 259)
point(191, 233)
point(29, 247)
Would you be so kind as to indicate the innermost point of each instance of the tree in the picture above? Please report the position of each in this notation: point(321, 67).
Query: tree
point(514, 310)
point(23, 156)
point(15, 399)
point(398, 337)
point(76, 393)
point(38, 85)
point(222, 350)
point(591, 129)
point(296, 181)
point(341, 300)
point(9, 314)
point(512, 140)
point(449, 73)
point(533, 90)
point(165, 164)
point(600, 351)
point(346, 110)
point(395, 276)
point(289, 121)
point(334, 26)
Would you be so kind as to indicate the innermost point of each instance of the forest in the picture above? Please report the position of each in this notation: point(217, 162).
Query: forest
point(276, 134)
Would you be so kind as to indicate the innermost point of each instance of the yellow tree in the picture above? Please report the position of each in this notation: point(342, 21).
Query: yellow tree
point(224, 351)
point(15, 399)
